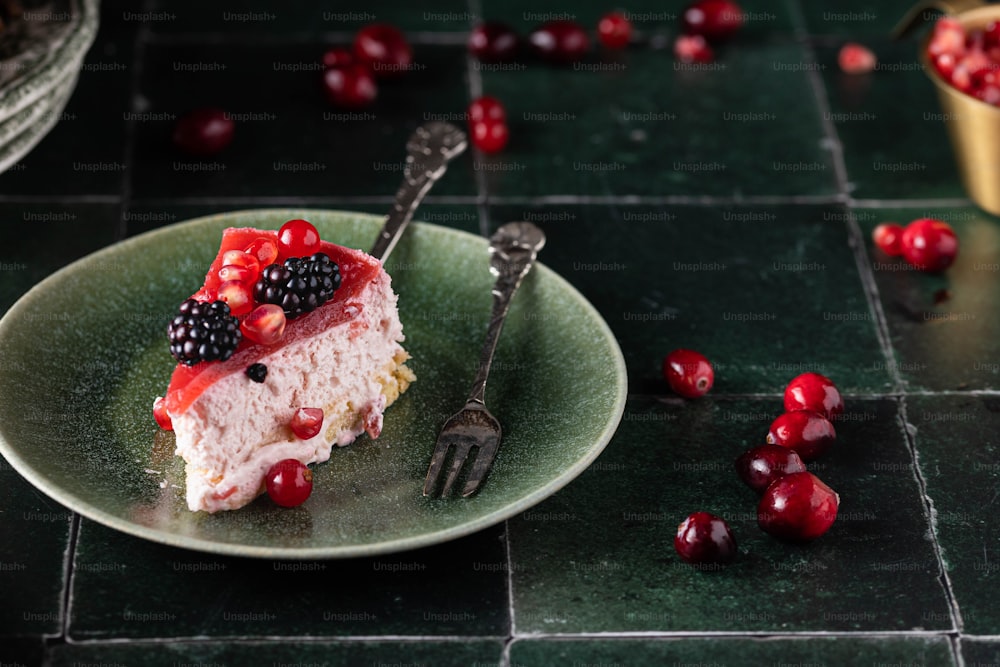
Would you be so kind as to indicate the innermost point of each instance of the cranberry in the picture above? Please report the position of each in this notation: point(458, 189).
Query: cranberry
point(614, 30)
point(204, 131)
point(487, 108)
point(808, 433)
point(929, 245)
point(705, 538)
point(761, 465)
point(797, 507)
point(383, 48)
point(160, 414)
point(689, 373)
point(307, 422)
point(493, 41)
point(856, 59)
point(298, 238)
point(336, 57)
point(289, 483)
point(560, 40)
point(888, 237)
point(712, 19)
point(351, 86)
point(490, 136)
point(693, 49)
point(815, 392)
point(265, 324)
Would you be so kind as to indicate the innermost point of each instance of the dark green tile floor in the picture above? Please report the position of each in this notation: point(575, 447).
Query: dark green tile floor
point(726, 208)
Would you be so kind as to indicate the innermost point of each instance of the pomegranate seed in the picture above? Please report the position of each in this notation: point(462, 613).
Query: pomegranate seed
point(715, 20)
point(929, 244)
point(336, 57)
point(487, 109)
point(856, 59)
point(298, 238)
point(289, 483)
point(808, 433)
point(614, 30)
point(241, 274)
point(760, 466)
point(948, 37)
point(560, 41)
point(240, 258)
point(239, 296)
point(490, 137)
point(689, 373)
point(493, 41)
point(351, 86)
point(704, 538)
point(888, 237)
point(160, 414)
point(945, 64)
point(797, 507)
point(265, 324)
point(383, 48)
point(814, 392)
point(961, 78)
point(307, 422)
point(991, 35)
point(989, 94)
point(693, 49)
point(265, 250)
point(204, 131)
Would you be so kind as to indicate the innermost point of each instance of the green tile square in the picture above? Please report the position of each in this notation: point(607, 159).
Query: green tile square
point(958, 453)
point(22, 651)
point(638, 123)
point(124, 587)
point(944, 327)
point(598, 556)
point(288, 140)
point(981, 652)
point(766, 292)
point(854, 19)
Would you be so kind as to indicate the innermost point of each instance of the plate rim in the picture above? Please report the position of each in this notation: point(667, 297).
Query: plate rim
point(84, 508)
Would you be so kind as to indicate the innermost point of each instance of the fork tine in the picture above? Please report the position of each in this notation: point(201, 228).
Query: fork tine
point(480, 467)
point(459, 456)
point(434, 470)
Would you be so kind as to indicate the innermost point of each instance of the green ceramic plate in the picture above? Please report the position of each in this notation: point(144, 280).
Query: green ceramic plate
point(85, 354)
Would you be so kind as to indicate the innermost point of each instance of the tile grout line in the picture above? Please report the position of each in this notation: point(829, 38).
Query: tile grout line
point(141, 37)
point(66, 601)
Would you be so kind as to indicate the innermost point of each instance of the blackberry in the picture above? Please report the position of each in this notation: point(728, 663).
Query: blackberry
point(257, 372)
point(203, 332)
point(300, 285)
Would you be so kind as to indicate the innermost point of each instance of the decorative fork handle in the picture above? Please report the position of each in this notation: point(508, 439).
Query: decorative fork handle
point(428, 152)
point(513, 249)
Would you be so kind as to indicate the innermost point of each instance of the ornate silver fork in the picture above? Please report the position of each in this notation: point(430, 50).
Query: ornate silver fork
point(513, 249)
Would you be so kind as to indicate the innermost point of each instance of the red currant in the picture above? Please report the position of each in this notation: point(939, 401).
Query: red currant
point(204, 131)
point(161, 415)
point(815, 392)
point(487, 109)
point(289, 482)
point(797, 507)
point(888, 237)
point(298, 238)
point(307, 422)
point(856, 59)
point(265, 324)
point(351, 86)
point(490, 136)
point(704, 538)
point(760, 466)
point(689, 373)
point(336, 57)
point(383, 48)
point(693, 49)
point(929, 245)
point(614, 30)
point(808, 433)
point(493, 41)
point(712, 19)
point(560, 40)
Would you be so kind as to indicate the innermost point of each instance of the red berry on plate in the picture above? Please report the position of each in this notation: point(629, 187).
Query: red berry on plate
point(160, 414)
point(289, 482)
point(493, 41)
point(929, 244)
point(760, 466)
point(808, 433)
point(337, 56)
point(798, 507)
point(383, 48)
point(350, 86)
point(704, 538)
point(307, 422)
point(693, 49)
point(815, 392)
point(490, 136)
point(204, 131)
point(298, 238)
point(486, 108)
point(715, 20)
point(856, 59)
point(560, 40)
point(264, 250)
point(238, 295)
point(265, 324)
point(888, 237)
point(689, 373)
point(614, 30)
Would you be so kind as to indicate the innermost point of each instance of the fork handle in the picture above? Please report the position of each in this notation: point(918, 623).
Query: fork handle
point(513, 249)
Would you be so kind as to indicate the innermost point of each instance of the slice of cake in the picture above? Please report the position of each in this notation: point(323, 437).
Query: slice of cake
point(291, 346)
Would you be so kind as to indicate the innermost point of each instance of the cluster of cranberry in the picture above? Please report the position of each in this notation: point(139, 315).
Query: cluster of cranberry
point(968, 60)
point(379, 51)
point(927, 244)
